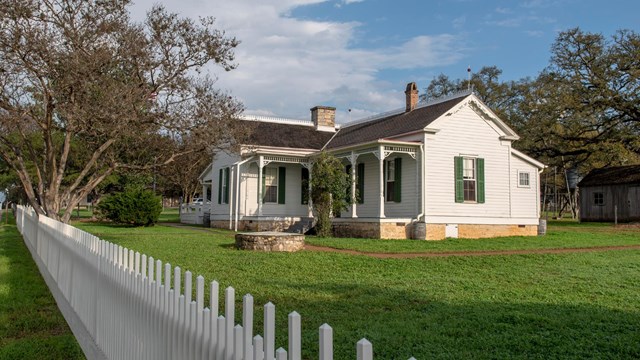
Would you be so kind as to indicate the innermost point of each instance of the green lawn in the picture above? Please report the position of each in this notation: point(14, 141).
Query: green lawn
point(582, 305)
point(31, 327)
point(560, 234)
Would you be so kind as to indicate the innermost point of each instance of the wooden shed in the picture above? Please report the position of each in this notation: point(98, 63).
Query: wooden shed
point(607, 191)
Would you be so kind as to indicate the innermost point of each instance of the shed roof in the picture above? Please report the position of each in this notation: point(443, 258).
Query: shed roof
point(618, 175)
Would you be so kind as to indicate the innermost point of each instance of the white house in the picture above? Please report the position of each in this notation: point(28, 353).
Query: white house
point(444, 168)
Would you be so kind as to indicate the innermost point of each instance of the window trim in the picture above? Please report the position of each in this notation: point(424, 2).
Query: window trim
point(528, 185)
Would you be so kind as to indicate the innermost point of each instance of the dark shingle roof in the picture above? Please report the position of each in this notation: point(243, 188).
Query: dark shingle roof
point(612, 176)
point(392, 125)
point(285, 135)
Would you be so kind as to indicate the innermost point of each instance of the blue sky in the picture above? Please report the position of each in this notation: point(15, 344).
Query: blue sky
point(359, 54)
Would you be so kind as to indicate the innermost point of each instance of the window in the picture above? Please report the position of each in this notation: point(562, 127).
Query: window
point(469, 176)
point(273, 185)
point(393, 179)
point(598, 199)
point(270, 185)
point(469, 179)
point(223, 186)
point(523, 179)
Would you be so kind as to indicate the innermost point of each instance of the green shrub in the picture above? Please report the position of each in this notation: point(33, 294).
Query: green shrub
point(137, 207)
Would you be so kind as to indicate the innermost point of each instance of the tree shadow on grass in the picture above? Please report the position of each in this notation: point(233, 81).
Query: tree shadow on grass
point(31, 326)
point(401, 324)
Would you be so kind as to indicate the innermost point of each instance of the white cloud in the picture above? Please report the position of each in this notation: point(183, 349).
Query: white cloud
point(288, 65)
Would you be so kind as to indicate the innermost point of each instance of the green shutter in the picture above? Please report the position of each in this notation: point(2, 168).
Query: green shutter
point(397, 181)
point(304, 186)
point(227, 174)
point(361, 183)
point(459, 181)
point(480, 179)
point(282, 173)
point(220, 187)
point(384, 178)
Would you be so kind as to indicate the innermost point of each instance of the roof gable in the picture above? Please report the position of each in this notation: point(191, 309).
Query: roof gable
point(484, 112)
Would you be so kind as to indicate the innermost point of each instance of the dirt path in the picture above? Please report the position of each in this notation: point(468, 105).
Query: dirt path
point(471, 253)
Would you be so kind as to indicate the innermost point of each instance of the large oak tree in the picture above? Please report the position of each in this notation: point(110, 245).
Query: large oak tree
point(86, 92)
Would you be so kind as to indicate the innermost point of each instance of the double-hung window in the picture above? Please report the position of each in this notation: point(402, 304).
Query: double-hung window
point(469, 179)
point(469, 176)
point(393, 179)
point(273, 185)
point(223, 186)
point(270, 185)
point(523, 179)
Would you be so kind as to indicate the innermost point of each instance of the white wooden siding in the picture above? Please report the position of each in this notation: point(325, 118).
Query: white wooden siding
point(249, 192)
point(524, 200)
point(466, 134)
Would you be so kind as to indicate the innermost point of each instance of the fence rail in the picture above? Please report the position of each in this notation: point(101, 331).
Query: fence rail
point(133, 306)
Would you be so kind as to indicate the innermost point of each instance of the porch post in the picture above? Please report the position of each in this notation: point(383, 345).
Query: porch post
point(231, 202)
point(381, 173)
point(310, 201)
point(353, 160)
point(260, 165)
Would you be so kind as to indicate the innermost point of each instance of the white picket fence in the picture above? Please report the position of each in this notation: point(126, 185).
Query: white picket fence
point(131, 309)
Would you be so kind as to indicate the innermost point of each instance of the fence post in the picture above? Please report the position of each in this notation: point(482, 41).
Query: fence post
point(364, 350)
point(326, 342)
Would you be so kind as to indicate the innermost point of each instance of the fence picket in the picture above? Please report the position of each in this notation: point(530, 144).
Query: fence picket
point(258, 353)
point(295, 328)
point(221, 338)
point(247, 326)
point(229, 312)
point(237, 342)
point(364, 350)
point(326, 342)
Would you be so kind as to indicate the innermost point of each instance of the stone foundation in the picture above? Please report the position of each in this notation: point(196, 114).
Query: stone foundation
point(477, 231)
point(270, 241)
point(372, 230)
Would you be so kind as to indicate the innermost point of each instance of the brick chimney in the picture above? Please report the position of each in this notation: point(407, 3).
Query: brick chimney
point(411, 95)
point(324, 118)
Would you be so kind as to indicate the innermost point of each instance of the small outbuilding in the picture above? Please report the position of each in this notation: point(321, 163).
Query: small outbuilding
point(611, 192)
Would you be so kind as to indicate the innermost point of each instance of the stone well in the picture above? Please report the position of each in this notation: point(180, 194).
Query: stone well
point(270, 241)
